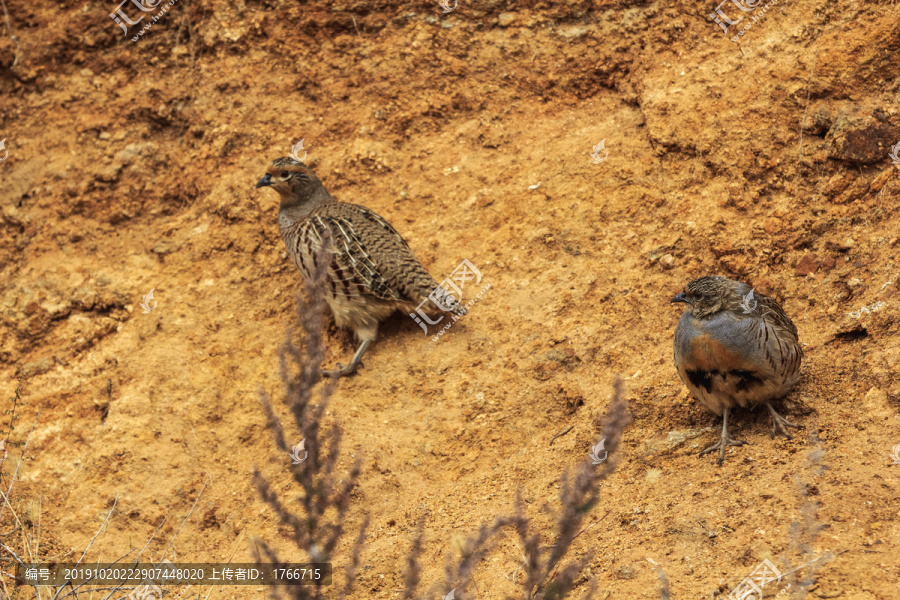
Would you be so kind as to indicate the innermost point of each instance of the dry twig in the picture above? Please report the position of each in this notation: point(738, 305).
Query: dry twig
point(325, 499)
point(9, 31)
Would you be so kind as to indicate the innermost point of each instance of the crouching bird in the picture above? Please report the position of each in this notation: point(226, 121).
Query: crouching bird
point(735, 347)
point(372, 271)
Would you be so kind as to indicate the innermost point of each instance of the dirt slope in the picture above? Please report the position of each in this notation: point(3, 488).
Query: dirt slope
point(131, 166)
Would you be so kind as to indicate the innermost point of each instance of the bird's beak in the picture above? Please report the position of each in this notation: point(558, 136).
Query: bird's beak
point(680, 297)
point(266, 180)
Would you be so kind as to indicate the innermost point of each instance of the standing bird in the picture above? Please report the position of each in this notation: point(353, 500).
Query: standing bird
point(372, 271)
point(734, 348)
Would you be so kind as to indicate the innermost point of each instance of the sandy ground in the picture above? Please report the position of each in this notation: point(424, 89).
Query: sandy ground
point(131, 166)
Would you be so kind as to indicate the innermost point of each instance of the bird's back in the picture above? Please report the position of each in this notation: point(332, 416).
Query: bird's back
point(373, 240)
point(373, 270)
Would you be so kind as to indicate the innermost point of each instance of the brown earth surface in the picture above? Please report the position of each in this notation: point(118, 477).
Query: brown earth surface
point(131, 166)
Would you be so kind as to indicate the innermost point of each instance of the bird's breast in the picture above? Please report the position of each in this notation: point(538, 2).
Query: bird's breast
point(707, 353)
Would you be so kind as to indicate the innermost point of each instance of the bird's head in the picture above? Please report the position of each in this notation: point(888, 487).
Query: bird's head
point(294, 181)
point(709, 294)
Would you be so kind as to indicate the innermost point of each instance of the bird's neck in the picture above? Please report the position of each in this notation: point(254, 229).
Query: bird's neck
point(293, 210)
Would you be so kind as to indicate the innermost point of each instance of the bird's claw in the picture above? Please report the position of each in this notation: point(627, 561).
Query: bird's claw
point(342, 370)
point(721, 445)
point(780, 423)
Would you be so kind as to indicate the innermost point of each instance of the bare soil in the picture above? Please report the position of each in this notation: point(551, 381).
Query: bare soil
point(131, 166)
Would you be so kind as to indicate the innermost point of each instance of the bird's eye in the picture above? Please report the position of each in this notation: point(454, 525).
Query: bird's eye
point(284, 174)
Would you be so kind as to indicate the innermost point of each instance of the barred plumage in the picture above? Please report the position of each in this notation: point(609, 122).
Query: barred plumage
point(373, 271)
point(735, 347)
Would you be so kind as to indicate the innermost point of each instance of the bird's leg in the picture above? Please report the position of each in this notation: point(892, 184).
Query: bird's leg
point(354, 363)
point(726, 439)
point(781, 423)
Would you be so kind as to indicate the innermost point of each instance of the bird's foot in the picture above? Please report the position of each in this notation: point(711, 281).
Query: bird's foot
point(780, 423)
point(350, 369)
point(724, 442)
point(342, 370)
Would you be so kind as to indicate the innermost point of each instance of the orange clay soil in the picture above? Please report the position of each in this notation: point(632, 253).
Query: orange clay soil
point(131, 166)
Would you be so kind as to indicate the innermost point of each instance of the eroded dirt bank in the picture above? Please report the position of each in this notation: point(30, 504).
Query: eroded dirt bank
point(131, 166)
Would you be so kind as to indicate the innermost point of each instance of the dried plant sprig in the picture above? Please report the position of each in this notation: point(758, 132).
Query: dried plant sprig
point(576, 500)
point(411, 579)
point(805, 531)
point(319, 524)
point(664, 593)
point(9, 31)
point(18, 464)
point(544, 575)
point(459, 572)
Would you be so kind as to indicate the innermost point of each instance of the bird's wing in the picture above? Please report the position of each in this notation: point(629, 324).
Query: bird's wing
point(353, 255)
point(777, 337)
point(372, 258)
point(376, 219)
point(397, 263)
point(773, 313)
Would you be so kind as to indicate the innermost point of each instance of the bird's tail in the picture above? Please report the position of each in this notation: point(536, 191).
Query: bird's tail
point(448, 301)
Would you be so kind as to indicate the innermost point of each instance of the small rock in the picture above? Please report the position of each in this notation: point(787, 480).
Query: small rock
point(875, 405)
point(806, 266)
point(674, 438)
point(838, 183)
point(37, 367)
point(625, 572)
point(861, 139)
point(506, 19)
point(572, 31)
point(164, 247)
point(109, 173)
point(761, 551)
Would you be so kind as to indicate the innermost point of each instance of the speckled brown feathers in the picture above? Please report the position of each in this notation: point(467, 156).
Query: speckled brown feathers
point(735, 347)
point(373, 271)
